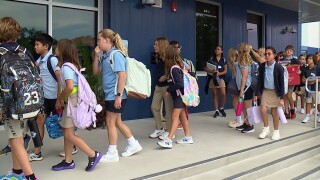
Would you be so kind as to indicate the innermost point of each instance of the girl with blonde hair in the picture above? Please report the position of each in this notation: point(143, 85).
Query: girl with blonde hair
point(113, 80)
point(160, 46)
point(244, 79)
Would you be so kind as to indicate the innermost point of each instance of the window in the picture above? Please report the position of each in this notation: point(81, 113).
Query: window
point(207, 32)
point(73, 19)
point(27, 15)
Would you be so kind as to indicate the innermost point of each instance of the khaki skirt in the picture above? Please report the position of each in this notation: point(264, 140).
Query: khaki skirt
point(67, 121)
point(270, 98)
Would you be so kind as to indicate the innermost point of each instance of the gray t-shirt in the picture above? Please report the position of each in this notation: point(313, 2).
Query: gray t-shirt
point(239, 75)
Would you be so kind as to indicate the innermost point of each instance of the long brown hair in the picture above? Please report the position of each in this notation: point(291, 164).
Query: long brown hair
point(115, 39)
point(244, 57)
point(172, 57)
point(163, 43)
point(68, 52)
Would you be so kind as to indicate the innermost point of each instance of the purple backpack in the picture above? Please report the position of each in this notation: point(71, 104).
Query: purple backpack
point(84, 114)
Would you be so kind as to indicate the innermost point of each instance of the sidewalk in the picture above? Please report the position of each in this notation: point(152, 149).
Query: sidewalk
point(212, 138)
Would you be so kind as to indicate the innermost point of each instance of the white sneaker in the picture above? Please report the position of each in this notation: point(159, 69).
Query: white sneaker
point(156, 133)
point(306, 119)
point(302, 111)
point(319, 120)
point(74, 151)
point(235, 124)
point(185, 140)
point(265, 132)
point(110, 157)
point(275, 135)
point(130, 150)
point(165, 135)
point(166, 143)
point(35, 157)
point(296, 109)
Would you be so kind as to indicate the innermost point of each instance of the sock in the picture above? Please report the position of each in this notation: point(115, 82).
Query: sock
point(31, 177)
point(17, 171)
point(188, 137)
point(112, 148)
point(239, 120)
point(132, 141)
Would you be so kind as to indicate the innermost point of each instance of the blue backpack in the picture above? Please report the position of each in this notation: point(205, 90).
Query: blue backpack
point(21, 84)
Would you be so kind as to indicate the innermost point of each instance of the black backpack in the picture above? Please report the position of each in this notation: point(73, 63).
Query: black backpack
point(21, 85)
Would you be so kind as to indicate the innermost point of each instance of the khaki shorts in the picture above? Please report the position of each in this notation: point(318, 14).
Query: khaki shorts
point(16, 128)
point(221, 84)
point(270, 98)
point(67, 121)
point(312, 99)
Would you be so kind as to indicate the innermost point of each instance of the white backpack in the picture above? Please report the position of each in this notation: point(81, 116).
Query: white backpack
point(138, 83)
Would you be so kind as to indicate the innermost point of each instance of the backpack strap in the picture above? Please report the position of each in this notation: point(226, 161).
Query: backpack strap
point(111, 57)
point(21, 49)
point(176, 66)
point(49, 66)
point(3, 51)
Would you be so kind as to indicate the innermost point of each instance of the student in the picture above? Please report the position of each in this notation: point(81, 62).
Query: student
point(244, 79)
point(233, 63)
point(67, 51)
point(9, 32)
point(113, 81)
point(311, 71)
point(301, 89)
point(271, 87)
point(218, 80)
point(286, 61)
point(43, 43)
point(160, 46)
point(185, 67)
point(172, 58)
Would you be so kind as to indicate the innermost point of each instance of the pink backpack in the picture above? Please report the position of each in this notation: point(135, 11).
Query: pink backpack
point(84, 114)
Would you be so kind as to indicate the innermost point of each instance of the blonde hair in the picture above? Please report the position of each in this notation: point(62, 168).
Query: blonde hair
point(244, 57)
point(163, 43)
point(115, 39)
point(231, 54)
point(9, 29)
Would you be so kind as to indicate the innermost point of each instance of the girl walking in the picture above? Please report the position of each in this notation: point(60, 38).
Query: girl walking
point(67, 51)
point(114, 80)
point(174, 66)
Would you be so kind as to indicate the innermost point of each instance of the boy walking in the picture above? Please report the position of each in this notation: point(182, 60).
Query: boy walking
point(9, 32)
point(50, 73)
point(288, 101)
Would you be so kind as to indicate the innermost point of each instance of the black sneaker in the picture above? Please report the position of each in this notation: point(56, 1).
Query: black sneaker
point(242, 127)
point(64, 166)
point(222, 112)
point(5, 150)
point(248, 129)
point(93, 161)
point(216, 114)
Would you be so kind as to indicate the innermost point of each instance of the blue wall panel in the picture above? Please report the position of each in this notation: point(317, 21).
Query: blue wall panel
point(141, 25)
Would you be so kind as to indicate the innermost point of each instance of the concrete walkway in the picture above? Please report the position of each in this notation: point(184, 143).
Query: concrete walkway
point(212, 138)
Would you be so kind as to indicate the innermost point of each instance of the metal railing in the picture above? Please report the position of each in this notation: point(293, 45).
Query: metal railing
point(314, 78)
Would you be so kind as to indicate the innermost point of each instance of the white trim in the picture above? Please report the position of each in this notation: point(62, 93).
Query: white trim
point(50, 21)
point(100, 15)
point(74, 6)
point(26, 115)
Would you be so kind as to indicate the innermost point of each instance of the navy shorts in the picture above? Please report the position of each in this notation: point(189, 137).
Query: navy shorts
point(178, 103)
point(49, 106)
point(248, 95)
point(109, 105)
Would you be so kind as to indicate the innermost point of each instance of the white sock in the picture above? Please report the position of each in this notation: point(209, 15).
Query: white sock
point(132, 141)
point(188, 137)
point(112, 148)
point(239, 120)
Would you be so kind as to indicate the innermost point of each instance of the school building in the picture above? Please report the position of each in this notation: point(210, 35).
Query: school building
point(199, 25)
